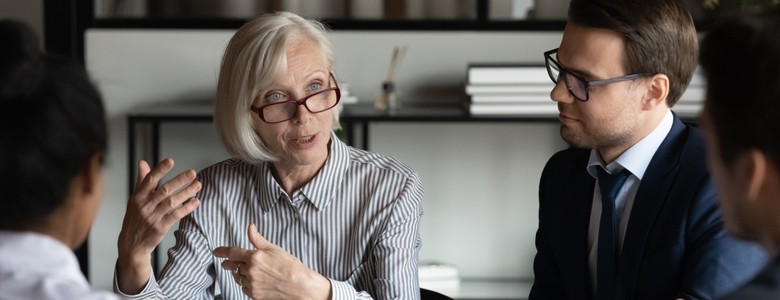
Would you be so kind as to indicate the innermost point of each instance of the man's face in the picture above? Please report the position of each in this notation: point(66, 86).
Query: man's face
point(609, 118)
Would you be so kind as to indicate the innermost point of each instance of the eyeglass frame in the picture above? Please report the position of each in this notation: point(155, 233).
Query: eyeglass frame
point(299, 102)
point(587, 84)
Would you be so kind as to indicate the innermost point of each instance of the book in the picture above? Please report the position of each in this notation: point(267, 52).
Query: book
point(543, 110)
point(440, 277)
point(346, 96)
point(512, 98)
point(694, 94)
point(539, 88)
point(698, 78)
point(507, 74)
point(687, 110)
point(523, 92)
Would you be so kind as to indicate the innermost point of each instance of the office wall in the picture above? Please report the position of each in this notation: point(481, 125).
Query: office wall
point(480, 179)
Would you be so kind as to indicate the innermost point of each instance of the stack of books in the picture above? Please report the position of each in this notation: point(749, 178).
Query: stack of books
point(691, 101)
point(439, 277)
point(346, 95)
point(509, 89)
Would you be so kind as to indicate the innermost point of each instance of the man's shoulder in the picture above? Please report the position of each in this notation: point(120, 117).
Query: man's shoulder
point(571, 157)
point(692, 154)
point(764, 286)
point(694, 138)
point(683, 146)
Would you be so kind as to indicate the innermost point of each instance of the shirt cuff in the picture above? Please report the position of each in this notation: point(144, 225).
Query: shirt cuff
point(342, 290)
point(151, 286)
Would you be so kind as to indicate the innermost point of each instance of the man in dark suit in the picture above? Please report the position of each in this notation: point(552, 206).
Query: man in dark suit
point(741, 59)
point(629, 212)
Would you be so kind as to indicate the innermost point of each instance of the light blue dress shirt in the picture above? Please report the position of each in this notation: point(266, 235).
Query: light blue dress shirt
point(635, 160)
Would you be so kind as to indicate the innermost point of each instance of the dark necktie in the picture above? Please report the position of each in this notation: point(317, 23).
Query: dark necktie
point(606, 265)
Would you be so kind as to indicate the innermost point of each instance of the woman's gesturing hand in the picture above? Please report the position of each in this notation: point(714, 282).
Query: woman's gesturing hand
point(269, 272)
point(151, 211)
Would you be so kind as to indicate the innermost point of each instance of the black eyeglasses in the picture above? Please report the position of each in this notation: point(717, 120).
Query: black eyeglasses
point(577, 86)
point(317, 102)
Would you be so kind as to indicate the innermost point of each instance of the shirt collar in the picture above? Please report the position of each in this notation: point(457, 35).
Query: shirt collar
point(35, 253)
point(320, 190)
point(638, 157)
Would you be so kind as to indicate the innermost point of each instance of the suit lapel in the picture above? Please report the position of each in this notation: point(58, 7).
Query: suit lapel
point(651, 196)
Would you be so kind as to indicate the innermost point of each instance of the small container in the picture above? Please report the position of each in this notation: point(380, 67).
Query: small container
point(387, 101)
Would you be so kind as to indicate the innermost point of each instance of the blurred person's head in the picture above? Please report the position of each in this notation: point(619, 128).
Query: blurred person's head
point(53, 128)
point(741, 121)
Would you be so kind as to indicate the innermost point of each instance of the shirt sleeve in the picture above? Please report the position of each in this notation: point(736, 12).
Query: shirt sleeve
point(547, 280)
point(150, 291)
point(395, 254)
point(718, 263)
point(188, 274)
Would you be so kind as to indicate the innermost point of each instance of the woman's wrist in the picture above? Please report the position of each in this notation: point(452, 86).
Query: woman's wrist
point(316, 286)
point(133, 272)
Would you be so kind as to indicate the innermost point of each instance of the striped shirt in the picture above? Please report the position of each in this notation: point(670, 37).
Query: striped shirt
point(356, 223)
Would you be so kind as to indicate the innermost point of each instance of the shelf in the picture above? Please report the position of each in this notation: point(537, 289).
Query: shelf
point(430, 113)
point(204, 111)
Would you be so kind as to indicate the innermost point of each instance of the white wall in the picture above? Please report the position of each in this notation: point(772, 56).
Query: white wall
point(480, 179)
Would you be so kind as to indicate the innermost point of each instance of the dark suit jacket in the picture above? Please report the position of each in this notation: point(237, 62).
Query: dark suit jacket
point(765, 286)
point(675, 244)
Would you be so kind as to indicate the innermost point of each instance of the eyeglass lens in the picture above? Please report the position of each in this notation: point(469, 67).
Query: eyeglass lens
point(315, 103)
point(575, 86)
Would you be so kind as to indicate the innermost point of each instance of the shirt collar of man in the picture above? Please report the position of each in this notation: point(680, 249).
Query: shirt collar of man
point(637, 157)
point(322, 188)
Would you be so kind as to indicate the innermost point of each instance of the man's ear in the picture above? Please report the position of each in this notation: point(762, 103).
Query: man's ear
point(657, 91)
point(92, 173)
point(753, 166)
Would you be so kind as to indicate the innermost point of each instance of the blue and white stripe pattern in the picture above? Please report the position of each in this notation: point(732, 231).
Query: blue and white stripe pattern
point(356, 223)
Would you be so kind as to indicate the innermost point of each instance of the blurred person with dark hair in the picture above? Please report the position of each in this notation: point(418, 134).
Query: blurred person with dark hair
point(629, 211)
point(741, 61)
point(53, 132)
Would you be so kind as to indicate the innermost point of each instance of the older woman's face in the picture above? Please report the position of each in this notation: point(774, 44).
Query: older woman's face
point(302, 140)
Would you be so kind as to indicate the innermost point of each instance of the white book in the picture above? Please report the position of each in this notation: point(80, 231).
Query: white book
point(349, 99)
point(504, 92)
point(539, 88)
point(698, 78)
point(512, 98)
point(542, 110)
point(503, 74)
point(687, 110)
point(694, 94)
point(442, 278)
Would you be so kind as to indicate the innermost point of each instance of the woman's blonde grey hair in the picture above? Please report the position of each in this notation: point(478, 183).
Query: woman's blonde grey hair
point(254, 58)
